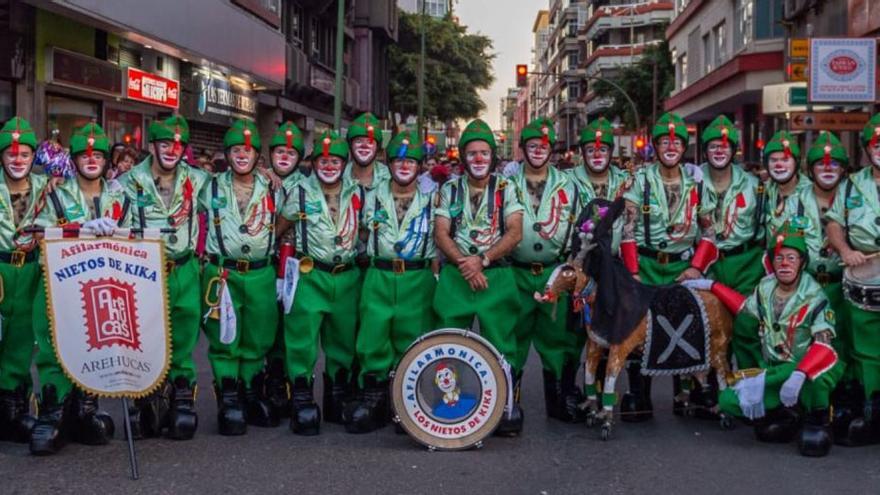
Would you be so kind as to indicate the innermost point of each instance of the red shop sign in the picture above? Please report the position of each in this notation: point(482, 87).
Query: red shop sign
point(150, 88)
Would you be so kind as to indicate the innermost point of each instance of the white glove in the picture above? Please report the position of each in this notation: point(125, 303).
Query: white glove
point(750, 392)
point(510, 169)
point(698, 284)
point(426, 183)
point(103, 226)
point(694, 171)
point(279, 288)
point(791, 389)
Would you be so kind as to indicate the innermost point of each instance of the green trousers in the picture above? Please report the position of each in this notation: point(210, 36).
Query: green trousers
point(496, 308)
point(256, 315)
point(544, 325)
point(742, 272)
point(324, 306)
point(864, 332)
point(395, 310)
point(653, 272)
point(17, 341)
point(48, 368)
point(185, 308)
point(814, 394)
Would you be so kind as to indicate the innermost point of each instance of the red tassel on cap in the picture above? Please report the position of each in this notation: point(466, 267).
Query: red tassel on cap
point(288, 137)
point(779, 240)
point(826, 159)
point(786, 149)
point(247, 139)
point(545, 135)
point(326, 147)
point(598, 139)
point(90, 144)
point(15, 137)
point(724, 136)
point(177, 145)
point(371, 133)
point(671, 132)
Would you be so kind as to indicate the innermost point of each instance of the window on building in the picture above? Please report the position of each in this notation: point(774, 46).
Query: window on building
point(720, 53)
point(743, 23)
point(573, 60)
point(707, 52)
point(295, 28)
point(768, 19)
point(574, 92)
point(683, 63)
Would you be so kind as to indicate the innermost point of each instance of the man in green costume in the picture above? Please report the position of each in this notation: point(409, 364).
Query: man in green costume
point(478, 223)
point(365, 141)
point(94, 205)
point(669, 236)
point(164, 192)
point(398, 290)
point(551, 205)
point(854, 231)
point(325, 210)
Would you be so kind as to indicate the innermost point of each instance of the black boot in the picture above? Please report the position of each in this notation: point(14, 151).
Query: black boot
point(635, 405)
point(305, 416)
point(277, 390)
point(816, 438)
point(149, 415)
point(866, 430)
point(182, 418)
point(779, 426)
point(562, 397)
point(704, 399)
point(372, 411)
point(848, 404)
point(337, 395)
point(15, 418)
point(49, 433)
point(511, 424)
point(257, 410)
point(230, 413)
point(89, 424)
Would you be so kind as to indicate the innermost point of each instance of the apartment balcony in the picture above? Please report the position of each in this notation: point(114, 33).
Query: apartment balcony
point(593, 104)
point(613, 56)
point(627, 16)
point(570, 76)
point(297, 67)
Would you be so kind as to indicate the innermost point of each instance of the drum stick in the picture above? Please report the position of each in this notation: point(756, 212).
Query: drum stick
point(867, 257)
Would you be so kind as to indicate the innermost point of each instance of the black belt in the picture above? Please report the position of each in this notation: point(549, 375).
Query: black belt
point(535, 268)
point(241, 266)
point(742, 248)
point(18, 258)
point(332, 268)
point(663, 257)
point(399, 265)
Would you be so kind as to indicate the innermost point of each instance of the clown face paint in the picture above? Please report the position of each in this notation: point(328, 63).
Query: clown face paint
point(669, 151)
point(18, 166)
point(363, 150)
point(241, 159)
point(827, 177)
point(478, 159)
point(168, 159)
point(780, 168)
point(537, 153)
point(329, 169)
point(787, 265)
point(874, 154)
point(404, 170)
point(90, 166)
point(718, 154)
point(597, 159)
point(284, 160)
point(445, 380)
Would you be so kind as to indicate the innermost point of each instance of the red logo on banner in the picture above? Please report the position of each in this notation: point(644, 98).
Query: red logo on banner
point(150, 88)
point(110, 314)
point(843, 65)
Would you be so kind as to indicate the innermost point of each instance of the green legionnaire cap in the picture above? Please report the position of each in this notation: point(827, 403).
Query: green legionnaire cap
point(721, 128)
point(540, 128)
point(243, 132)
point(89, 137)
point(365, 125)
point(329, 143)
point(477, 130)
point(173, 128)
point(289, 136)
point(406, 144)
point(670, 123)
point(871, 132)
point(597, 130)
point(17, 131)
point(828, 145)
point(790, 237)
point(781, 141)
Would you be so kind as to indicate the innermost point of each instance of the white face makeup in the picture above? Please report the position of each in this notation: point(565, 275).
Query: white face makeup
point(828, 176)
point(669, 151)
point(404, 170)
point(91, 166)
point(537, 153)
point(284, 160)
point(781, 169)
point(597, 159)
point(363, 150)
point(478, 158)
point(786, 265)
point(874, 154)
point(18, 165)
point(718, 154)
point(168, 159)
point(242, 159)
point(329, 169)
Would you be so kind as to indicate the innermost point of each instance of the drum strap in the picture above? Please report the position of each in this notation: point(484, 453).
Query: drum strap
point(847, 191)
point(425, 240)
point(303, 221)
point(491, 203)
point(271, 242)
point(60, 217)
point(126, 205)
point(216, 213)
point(375, 227)
point(646, 213)
point(456, 199)
point(140, 201)
point(800, 211)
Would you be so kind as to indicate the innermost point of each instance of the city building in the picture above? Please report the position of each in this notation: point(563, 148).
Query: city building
point(433, 8)
point(538, 100)
point(562, 57)
point(507, 141)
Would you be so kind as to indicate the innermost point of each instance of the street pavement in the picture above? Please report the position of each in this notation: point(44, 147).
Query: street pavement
point(667, 455)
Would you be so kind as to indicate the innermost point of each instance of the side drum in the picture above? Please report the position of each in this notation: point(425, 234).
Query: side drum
point(861, 285)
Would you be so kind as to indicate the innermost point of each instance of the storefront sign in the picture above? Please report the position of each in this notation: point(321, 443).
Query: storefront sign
point(843, 70)
point(829, 121)
point(83, 72)
point(150, 88)
point(207, 96)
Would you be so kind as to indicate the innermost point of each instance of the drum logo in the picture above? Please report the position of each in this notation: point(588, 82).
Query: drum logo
point(109, 310)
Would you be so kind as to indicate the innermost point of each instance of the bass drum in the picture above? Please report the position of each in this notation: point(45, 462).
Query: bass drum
point(450, 390)
point(861, 285)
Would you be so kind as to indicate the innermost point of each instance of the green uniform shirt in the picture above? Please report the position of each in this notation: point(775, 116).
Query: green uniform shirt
point(9, 240)
point(617, 184)
point(245, 235)
point(823, 258)
point(863, 207)
point(806, 313)
point(328, 241)
point(475, 232)
point(736, 216)
point(181, 215)
point(381, 173)
point(412, 238)
point(76, 208)
point(775, 216)
point(684, 221)
point(545, 233)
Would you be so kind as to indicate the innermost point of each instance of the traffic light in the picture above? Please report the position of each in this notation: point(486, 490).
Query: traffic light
point(640, 143)
point(522, 75)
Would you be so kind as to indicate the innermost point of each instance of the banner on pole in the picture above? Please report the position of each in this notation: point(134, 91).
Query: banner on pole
point(108, 310)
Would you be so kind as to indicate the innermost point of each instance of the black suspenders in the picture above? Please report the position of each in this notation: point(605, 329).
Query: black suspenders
point(846, 193)
point(271, 225)
point(216, 220)
point(646, 212)
point(456, 198)
point(427, 237)
point(126, 205)
point(303, 221)
point(60, 217)
point(375, 227)
point(140, 201)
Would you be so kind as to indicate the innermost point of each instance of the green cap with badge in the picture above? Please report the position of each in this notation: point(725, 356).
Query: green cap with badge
point(243, 132)
point(540, 128)
point(827, 146)
point(597, 130)
point(88, 138)
point(17, 131)
point(476, 130)
point(781, 141)
point(365, 125)
point(174, 128)
point(721, 128)
point(670, 124)
point(329, 143)
point(289, 136)
point(405, 144)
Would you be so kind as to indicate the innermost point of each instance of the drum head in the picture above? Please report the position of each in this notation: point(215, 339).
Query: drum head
point(449, 390)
